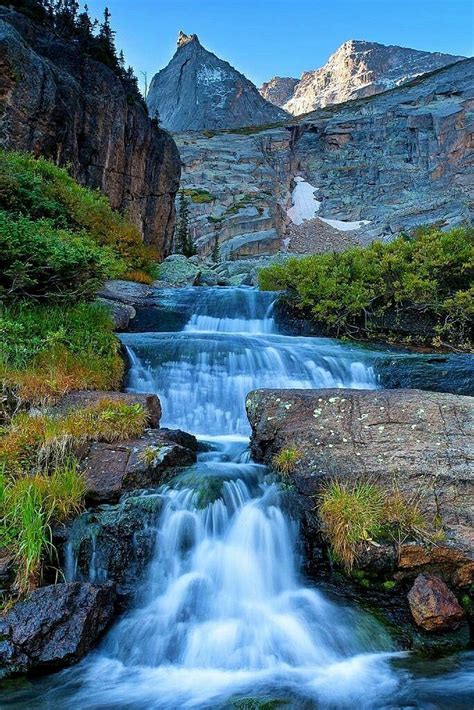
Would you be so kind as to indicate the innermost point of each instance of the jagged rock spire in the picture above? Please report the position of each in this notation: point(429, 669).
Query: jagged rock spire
point(184, 39)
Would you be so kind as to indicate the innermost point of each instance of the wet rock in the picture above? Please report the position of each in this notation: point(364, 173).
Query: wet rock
point(114, 543)
point(79, 399)
point(7, 564)
point(422, 442)
point(121, 313)
point(111, 469)
point(433, 605)
point(54, 627)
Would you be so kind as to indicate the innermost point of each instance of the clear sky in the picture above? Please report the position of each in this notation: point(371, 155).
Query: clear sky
point(264, 38)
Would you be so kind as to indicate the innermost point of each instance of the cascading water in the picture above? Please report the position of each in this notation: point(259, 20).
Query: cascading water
point(224, 614)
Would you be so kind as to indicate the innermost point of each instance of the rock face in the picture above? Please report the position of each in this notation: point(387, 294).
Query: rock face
point(389, 163)
point(433, 606)
point(279, 90)
point(357, 69)
point(422, 442)
point(60, 104)
point(54, 627)
point(197, 90)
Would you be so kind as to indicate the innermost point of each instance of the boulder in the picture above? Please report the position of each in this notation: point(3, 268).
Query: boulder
point(114, 543)
point(85, 398)
point(433, 605)
point(121, 313)
point(126, 292)
point(421, 442)
point(54, 627)
point(111, 469)
point(177, 270)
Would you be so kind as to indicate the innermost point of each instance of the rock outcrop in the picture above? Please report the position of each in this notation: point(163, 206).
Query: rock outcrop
point(58, 103)
point(357, 69)
point(54, 627)
point(420, 442)
point(197, 91)
point(372, 168)
point(279, 90)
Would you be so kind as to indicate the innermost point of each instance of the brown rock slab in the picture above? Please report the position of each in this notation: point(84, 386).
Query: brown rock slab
point(433, 605)
point(111, 469)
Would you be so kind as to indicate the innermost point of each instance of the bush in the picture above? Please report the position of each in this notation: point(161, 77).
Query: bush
point(39, 190)
point(427, 274)
point(362, 512)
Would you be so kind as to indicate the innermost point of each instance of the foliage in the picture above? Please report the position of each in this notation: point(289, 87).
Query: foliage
point(138, 276)
point(216, 251)
point(65, 224)
point(29, 506)
point(184, 242)
point(286, 459)
point(46, 351)
point(198, 195)
point(428, 274)
point(359, 512)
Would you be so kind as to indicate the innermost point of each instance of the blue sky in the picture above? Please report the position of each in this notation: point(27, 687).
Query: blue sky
point(264, 38)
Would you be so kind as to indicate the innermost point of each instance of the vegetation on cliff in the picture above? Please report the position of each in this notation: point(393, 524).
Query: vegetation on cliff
point(370, 292)
point(58, 243)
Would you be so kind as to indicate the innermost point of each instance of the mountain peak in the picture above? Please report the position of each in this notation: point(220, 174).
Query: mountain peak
point(198, 91)
point(184, 39)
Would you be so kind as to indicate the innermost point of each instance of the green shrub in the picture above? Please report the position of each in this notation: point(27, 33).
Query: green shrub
point(286, 459)
point(38, 260)
point(198, 195)
point(38, 189)
point(427, 274)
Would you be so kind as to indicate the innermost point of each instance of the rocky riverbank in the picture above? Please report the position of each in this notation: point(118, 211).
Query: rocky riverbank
point(413, 445)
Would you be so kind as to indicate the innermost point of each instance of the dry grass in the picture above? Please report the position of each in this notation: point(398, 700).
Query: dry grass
point(44, 442)
point(286, 459)
point(353, 513)
point(138, 276)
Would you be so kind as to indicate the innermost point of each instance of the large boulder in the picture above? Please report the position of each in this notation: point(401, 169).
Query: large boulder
point(433, 605)
point(125, 292)
point(111, 469)
point(421, 442)
point(54, 627)
point(120, 313)
point(177, 270)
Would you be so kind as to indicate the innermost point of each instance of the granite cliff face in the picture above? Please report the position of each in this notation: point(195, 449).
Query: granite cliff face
point(357, 69)
point(58, 103)
point(197, 91)
point(367, 169)
point(279, 90)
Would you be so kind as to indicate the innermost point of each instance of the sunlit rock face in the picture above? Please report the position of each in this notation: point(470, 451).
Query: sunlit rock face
point(357, 69)
point(197, 91)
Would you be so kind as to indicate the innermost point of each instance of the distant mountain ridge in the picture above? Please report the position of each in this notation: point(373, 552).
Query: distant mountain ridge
point(198, 91)
point(357, 69)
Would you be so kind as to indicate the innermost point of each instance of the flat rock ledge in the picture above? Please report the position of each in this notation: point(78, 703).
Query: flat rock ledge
point(84, 398)
point(421, 442)
point(54, 627)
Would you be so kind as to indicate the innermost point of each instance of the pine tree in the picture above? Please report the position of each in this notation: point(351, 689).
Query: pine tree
point(216, 252)
point(184, 242)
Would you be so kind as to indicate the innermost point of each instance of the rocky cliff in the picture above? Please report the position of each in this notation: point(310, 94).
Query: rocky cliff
point(357, 69)
point(197, 91)
point(279, 90)
point(342, 175)
point(56, 102)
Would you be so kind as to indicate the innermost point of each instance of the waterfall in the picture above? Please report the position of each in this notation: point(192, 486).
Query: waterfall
point(224, 613)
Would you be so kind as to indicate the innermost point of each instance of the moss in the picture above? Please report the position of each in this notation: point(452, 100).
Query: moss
point(389, 585)
point(198, 195)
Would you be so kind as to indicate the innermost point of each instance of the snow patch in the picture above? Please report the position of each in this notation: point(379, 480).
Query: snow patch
point(210, 75)
point(305, 205)
point(344, 226)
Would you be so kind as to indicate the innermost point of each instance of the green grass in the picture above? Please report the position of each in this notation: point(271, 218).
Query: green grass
point(427, 275)
point(198, 195)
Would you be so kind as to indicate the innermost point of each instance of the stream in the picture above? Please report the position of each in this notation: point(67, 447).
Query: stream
point(225, 614)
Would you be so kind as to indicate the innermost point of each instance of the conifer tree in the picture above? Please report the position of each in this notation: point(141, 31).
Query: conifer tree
point(184, 242)
point(216, 252)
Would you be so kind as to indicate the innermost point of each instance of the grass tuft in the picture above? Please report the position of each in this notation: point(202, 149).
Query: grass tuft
point(285, 460)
